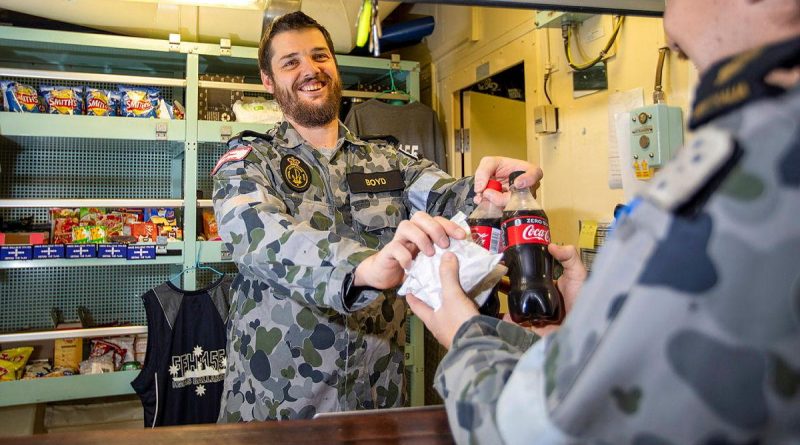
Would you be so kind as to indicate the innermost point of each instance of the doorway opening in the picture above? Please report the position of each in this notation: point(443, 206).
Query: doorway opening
point(492, 118)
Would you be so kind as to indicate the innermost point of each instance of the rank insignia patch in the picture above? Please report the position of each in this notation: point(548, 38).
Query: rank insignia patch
point(296, 173)
point(236, 154)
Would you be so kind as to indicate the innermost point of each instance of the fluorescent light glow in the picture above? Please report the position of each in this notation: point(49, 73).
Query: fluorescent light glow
point(237, 4)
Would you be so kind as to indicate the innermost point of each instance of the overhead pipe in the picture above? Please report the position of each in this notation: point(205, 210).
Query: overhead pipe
point(408, 32)
point(647, 8)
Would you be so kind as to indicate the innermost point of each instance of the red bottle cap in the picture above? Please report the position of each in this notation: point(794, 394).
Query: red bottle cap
point(494, 185)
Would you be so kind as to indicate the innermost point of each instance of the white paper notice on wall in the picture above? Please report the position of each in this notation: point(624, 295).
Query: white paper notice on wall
point(618, 141)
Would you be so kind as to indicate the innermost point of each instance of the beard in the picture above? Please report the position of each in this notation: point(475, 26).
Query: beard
point(309, 114)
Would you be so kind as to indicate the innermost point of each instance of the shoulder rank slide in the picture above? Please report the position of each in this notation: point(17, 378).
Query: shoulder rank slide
point(236, 154)
point(694, 166)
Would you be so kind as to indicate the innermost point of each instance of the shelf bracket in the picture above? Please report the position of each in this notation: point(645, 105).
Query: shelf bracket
point(224, 47)
point(226, 252)
point(174, 43)
point(225, 133)
point(161, 131)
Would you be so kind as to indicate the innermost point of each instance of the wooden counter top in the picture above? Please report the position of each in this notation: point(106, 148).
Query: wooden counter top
point(425, 425)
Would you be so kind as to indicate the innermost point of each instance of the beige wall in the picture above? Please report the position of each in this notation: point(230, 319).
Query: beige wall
point(574, 160)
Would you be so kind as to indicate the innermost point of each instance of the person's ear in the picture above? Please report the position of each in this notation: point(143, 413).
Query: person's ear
point(269, 84)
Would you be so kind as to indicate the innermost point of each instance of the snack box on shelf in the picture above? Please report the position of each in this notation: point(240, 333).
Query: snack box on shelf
point(142, 252)
point(115, 250)
point(78, 251)
point(16, 252)
point(48, 251)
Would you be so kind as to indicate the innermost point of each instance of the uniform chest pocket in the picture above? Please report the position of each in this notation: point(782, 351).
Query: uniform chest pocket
point(318, 214)
point(375, 219)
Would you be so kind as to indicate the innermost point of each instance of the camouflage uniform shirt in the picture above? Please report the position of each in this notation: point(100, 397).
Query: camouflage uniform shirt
point(688, 330)
point(301, 338)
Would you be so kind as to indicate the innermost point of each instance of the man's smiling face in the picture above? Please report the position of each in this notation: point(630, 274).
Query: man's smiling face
point(305, 80)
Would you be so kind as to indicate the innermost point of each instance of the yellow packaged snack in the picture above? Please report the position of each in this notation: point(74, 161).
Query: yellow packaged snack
point(80, 234)
point(97, 234)
point(12, 362)
point(210, 225)
point(68, 353)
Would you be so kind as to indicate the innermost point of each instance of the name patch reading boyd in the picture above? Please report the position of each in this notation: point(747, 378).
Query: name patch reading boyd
point(375, 182)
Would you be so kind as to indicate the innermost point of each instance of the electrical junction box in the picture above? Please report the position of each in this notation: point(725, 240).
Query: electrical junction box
point(545, 119)
point(555, 19)
point(656, 134)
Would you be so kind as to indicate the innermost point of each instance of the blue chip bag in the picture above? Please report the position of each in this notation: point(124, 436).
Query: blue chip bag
point(62, 100)
point(19, 97)
point(102, 102)
point(138, 102)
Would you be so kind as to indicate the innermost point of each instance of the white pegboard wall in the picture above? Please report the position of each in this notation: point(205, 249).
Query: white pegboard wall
point(206, 277)
point(69, 168)
point(111, 293)
point(208, 153)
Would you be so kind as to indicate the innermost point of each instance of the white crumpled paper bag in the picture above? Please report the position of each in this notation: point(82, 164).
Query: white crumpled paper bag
point(478, 270)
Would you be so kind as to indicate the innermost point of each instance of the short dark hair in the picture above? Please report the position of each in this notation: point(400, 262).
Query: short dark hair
point(293, 21)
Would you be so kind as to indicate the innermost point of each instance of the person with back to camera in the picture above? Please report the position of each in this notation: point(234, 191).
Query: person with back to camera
point(688, 331)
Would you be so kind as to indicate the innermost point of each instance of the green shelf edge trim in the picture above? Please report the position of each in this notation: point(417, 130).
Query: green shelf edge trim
point(23, 392)
point(27, 264)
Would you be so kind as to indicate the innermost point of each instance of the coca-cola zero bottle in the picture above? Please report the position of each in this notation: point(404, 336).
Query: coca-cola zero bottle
point(533, 298)
point(484, 225)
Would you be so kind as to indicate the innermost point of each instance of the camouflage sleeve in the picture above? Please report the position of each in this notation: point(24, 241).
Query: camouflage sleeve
point(287, 254)
point(472, 375)
point(433, 191)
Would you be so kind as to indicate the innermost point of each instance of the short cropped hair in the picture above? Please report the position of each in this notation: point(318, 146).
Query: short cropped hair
point(294, 21)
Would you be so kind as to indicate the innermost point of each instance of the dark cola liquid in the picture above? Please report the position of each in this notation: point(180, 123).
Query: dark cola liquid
point(479, 228)
point(533, 298)
point(491, 306)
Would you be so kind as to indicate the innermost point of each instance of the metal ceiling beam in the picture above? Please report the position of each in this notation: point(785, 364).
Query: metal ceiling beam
point(650, 8)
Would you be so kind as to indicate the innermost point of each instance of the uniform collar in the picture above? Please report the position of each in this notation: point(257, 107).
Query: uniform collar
point(348, 135)
point(738, 80)
point(286, 136)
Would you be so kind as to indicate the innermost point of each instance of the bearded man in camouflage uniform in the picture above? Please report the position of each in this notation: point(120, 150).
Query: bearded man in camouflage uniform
point(321, 234)
point(688, 331)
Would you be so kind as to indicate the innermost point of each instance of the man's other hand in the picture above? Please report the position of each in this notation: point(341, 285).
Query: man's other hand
point(386, 269)
point(500, 168)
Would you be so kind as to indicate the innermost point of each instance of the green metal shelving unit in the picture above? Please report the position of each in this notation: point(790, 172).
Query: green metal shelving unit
point(56, 160)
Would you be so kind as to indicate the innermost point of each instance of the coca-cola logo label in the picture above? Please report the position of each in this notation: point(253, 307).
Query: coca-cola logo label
point(482, 235)
point(487, 237)
point(536, 233)
point(526, 230)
